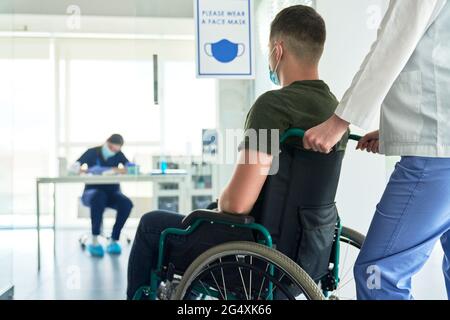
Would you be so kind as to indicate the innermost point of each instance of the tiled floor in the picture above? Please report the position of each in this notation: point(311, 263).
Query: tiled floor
point(73, 274)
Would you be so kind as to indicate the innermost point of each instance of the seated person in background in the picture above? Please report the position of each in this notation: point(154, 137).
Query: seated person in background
point(99, 197)
point(296, 45)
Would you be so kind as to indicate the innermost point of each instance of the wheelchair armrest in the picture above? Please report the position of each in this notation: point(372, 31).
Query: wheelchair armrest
point(213, 215)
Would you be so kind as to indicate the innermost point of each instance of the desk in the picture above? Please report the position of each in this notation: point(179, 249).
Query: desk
point(154, 176)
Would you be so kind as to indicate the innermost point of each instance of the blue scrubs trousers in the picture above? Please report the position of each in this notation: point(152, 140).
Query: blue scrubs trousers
point(412, 215)
point(98, 200)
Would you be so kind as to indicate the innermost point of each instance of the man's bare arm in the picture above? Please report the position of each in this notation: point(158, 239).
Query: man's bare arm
point(248, 178)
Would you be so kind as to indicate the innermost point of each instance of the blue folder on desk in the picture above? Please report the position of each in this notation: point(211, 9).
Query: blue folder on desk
point(98, 170)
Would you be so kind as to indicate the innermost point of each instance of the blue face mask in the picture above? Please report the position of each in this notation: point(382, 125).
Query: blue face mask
point(273, 73)
point(107, 153)
point(224, 50)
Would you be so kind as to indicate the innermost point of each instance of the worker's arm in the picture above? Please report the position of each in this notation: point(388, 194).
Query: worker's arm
point(404, 24)
point(122, 167)
point(248, 178)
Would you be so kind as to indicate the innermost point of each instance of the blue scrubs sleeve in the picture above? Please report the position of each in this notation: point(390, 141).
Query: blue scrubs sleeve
point(90, 157)
point(123, 159)
point(85, 157)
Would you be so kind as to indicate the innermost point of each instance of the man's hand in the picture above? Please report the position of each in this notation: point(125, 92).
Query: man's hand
point(120, 170)
point(324, 137)
point(370, 142)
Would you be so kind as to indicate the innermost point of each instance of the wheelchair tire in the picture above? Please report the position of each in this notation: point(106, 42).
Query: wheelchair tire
point(352, 237)
point(293, 271)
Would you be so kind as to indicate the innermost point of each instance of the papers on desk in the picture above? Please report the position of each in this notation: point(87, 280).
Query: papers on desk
point(99, 170)
point(155, 172)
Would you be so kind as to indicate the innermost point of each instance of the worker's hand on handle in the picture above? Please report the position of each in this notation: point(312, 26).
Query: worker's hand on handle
point(370, 142)
point(325, 136)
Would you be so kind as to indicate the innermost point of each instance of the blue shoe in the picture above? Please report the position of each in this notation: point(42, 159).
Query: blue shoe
point(114, 248)
point(96, 250)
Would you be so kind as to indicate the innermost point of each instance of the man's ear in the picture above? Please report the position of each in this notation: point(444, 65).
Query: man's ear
point(280, 50)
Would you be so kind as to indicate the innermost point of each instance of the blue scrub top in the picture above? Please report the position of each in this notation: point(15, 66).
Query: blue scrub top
point(93, 157)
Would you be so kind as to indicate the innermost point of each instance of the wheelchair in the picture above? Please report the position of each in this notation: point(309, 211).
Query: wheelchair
point(292, 246)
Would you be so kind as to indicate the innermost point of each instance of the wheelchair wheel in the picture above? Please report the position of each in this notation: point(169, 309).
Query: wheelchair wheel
point(351, 242)
point(245, 271)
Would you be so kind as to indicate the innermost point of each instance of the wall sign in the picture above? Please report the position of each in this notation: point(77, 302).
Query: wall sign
point(224, 38)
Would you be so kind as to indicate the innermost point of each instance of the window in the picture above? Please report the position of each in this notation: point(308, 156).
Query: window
point(71, 94)
point(27, 71)
point(107, 87)
point(112, 96)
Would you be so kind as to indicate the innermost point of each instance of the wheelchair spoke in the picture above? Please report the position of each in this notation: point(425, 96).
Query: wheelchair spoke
point(346, 274)
point(262, 282)
point(345, 287)
point(341, 287)
point(345, 258)
point(279, 280)
point(338, 290)
point(250, 286)
point(223, 281)
point(207, 280)
point(343, 279)
point(343, 268)
point(203, 285)
point(218, 287)
point(350, 280)
point(242, 279)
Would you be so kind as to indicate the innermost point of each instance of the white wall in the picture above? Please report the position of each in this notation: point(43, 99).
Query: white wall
point(351, 30)
point(352, 26)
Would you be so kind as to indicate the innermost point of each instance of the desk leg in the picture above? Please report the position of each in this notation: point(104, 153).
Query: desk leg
point(186, 196)
point(54, 220)
point(38, 227)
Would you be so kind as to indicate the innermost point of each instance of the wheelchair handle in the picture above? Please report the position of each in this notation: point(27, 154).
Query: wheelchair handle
point(300, 133)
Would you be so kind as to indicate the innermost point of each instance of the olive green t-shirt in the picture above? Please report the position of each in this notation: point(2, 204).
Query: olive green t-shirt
point(303, 104)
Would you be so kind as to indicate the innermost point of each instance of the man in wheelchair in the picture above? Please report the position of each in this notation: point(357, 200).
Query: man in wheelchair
point(296, 204)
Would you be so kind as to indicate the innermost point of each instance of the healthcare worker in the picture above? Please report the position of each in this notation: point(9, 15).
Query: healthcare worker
point(98, 197)
point(407, 73)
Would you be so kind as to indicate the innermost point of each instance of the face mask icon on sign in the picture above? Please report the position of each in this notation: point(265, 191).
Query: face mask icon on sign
point(224, 50)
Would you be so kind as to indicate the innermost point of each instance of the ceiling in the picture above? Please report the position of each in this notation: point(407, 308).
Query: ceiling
point(139, 8)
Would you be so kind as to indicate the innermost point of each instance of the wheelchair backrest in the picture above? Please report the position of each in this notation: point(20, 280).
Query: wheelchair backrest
point(297, 206)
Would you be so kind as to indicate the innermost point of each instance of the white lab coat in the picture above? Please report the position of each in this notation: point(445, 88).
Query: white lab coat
point(407, 74)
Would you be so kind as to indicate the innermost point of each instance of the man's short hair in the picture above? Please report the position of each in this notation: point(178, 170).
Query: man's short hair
point(116, 139)
point(303, 30)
